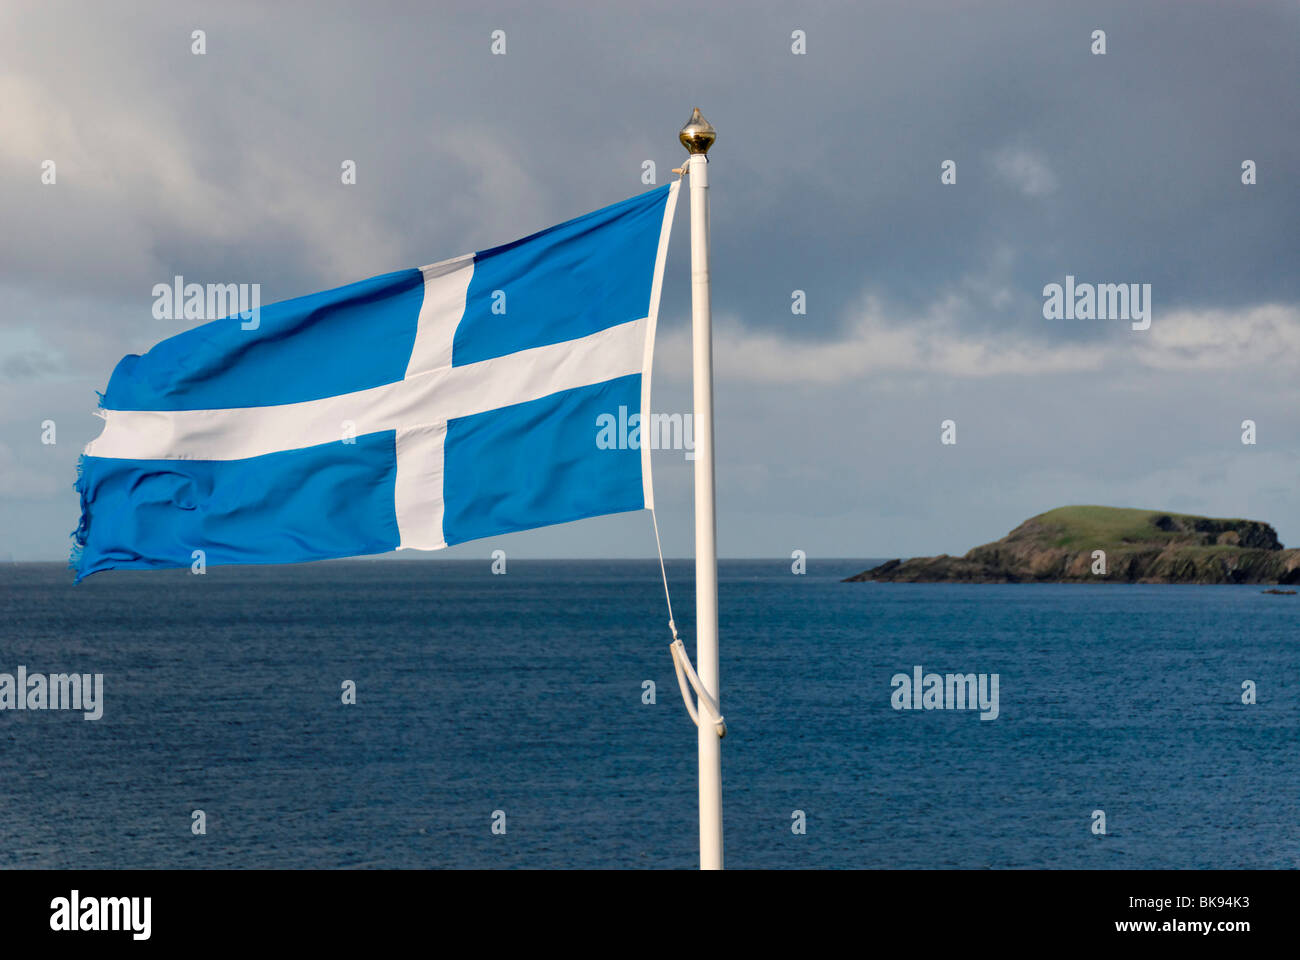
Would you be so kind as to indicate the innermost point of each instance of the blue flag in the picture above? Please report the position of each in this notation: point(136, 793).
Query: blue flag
point(412, 410)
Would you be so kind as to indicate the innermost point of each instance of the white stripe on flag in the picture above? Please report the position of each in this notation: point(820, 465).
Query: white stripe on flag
point(445, 287)
point(427, 398)
point(417, 493)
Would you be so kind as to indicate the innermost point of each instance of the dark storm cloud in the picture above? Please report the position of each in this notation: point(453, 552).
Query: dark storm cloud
point(225, 167)
point(829, 178)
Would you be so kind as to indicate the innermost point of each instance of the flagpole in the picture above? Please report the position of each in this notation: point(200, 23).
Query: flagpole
point(697, 136)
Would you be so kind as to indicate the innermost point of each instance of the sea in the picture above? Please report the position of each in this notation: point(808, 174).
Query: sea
point(531, 719)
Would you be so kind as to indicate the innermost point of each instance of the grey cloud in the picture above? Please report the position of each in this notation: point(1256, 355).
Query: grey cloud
point(1117, 168)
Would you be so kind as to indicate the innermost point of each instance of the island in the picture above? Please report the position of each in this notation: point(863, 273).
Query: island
point(1089, 544)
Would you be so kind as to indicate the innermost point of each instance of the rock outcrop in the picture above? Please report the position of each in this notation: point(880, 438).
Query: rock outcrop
point(1139, 546)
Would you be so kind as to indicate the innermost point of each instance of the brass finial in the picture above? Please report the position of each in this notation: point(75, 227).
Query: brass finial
point(698, 134)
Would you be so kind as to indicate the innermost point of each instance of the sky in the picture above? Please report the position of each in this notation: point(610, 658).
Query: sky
point(924, 299)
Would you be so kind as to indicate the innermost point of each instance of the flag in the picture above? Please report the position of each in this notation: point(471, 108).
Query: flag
point(416, 409)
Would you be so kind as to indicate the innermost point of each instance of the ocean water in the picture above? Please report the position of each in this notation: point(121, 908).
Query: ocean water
point(523, 693)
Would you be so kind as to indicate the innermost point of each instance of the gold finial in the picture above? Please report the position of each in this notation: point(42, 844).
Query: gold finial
point(698, 134)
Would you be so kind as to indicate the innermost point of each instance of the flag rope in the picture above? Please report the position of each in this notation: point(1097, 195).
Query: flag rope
point(664, 573)
point(681, 660)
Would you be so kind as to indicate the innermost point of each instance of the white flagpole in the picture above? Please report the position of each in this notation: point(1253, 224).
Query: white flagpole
point(697, 136)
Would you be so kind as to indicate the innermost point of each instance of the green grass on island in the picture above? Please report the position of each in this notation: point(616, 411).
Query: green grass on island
point(1113, 544)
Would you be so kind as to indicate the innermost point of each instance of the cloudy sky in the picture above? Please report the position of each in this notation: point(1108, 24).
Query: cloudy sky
point(924, 299)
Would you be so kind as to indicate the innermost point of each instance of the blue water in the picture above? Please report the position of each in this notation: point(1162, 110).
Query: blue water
point(523, 693)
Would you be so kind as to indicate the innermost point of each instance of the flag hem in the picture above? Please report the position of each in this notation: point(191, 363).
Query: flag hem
point(647, 363)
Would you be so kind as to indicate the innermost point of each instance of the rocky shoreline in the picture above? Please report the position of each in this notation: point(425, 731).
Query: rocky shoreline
point(1111, 545)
